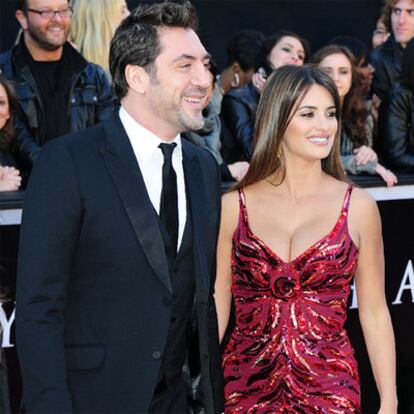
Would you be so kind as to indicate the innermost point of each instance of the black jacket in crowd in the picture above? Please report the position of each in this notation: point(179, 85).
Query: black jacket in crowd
point(395, 129)
point(387, 61)
point(91, 98)
point(238, 114)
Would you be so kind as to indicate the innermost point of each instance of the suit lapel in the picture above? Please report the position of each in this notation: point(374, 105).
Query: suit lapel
point(124, 169)
point(197, 199)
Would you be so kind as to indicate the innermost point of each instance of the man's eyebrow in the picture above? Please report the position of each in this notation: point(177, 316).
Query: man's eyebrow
point(185, 56)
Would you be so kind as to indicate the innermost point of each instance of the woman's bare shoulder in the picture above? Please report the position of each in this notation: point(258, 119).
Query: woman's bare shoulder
point(362, 200)
point(229, 211)
point(230, 200)
point(363, 211)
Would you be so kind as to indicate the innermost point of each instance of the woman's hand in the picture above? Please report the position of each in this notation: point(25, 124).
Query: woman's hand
point(238, 169)
point(375, 104)
point(387, 175)
point(259, 80)
point(364, 155)
point(10, 179)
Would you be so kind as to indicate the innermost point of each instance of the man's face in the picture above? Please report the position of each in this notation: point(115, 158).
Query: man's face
point(177, 93)
point(47, 33)
point(402, 21)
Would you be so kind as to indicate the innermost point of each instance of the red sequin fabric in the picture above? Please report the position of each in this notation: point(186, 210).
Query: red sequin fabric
point(289, 351)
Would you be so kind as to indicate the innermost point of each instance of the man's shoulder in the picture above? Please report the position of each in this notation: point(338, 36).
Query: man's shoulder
point(399, 96)
point(81, 141)
point(386, 51)
point(6, 63)
point(380, 54)
point(92, 69)
point(202, 154)
point(242, 93)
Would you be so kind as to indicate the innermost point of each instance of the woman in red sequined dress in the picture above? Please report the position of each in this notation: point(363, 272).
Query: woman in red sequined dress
point(294, 233)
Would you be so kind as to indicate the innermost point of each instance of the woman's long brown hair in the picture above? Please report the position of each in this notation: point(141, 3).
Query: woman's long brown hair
point(8, 133)
point(281, 96)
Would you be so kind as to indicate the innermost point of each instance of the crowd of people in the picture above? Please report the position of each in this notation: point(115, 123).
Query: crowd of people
point(125, 210)
point(59, 73)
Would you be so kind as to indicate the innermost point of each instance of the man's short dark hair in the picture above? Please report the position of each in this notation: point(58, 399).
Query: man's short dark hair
point(137, 39)
point(245, 48)
point(387, 11)
point(21, 5)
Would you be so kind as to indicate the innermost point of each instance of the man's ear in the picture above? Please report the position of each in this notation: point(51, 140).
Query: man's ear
point(137, 78)
point(22, 19)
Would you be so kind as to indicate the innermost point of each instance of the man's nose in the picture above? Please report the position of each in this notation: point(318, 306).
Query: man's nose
point(202, 76)
point(57, 16)
point(402, 18)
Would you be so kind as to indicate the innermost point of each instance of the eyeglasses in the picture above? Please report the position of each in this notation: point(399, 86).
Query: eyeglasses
point(50, 14)
point(380, 32)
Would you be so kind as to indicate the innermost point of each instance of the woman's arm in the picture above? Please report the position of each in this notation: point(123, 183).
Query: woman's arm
point(365, 221)
point(222, 287)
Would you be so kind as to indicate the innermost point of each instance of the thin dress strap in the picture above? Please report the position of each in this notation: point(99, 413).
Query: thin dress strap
point(242, 204)
point(347, 198)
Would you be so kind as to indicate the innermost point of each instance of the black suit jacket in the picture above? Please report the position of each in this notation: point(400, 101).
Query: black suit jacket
point(93, 287)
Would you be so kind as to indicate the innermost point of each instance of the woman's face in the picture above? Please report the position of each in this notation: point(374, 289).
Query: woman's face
point(4, 107)
point(124, 10)
point(339, 68)
point(380, 34)
point(311, 132)
point(287, 51)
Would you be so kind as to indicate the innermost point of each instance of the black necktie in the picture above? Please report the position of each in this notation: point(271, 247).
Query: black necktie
point(169, 199)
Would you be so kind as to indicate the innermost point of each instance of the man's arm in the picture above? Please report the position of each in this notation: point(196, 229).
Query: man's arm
point(381, 81)
point(394, 125)
point(27, 148)
point(48, 238)
point(236, 116)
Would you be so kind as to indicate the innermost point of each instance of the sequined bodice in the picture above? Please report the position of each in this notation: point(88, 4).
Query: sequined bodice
point(289, 352)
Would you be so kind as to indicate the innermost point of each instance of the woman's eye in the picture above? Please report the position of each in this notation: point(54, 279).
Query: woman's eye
point(286, 49)
point(308, 114)
point(331, 114)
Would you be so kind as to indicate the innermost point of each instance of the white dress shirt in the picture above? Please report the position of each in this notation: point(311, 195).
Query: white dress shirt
point(150, 160)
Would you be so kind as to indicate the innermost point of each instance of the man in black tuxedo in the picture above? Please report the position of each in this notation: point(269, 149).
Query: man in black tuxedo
point(118, 239)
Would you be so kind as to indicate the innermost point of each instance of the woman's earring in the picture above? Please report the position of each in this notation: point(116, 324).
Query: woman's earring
point(235, 82)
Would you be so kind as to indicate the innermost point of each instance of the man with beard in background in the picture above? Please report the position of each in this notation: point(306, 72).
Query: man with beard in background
point(58, 90)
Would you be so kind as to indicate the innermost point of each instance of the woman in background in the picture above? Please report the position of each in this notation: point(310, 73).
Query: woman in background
point(243, 56)
point(93, 25)
point(10, 178)
point(357, 127)
point(381, 32)
point(238, 110)
point(289, 351)
point(208, 137)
